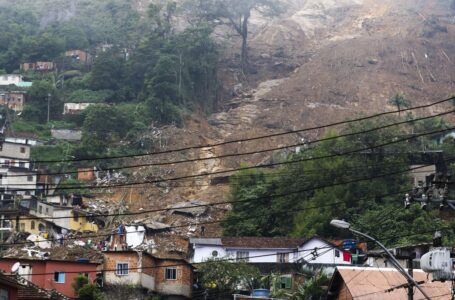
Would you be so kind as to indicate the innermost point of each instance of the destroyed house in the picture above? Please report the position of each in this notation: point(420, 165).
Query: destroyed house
point(57, 275)
point(159, 275)
point(64, 217)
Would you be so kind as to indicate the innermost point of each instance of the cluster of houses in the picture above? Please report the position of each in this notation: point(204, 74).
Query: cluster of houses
point(15, 99)
point(167, 265)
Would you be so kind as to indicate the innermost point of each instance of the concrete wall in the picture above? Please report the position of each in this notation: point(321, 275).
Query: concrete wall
point(182, 286)
point(202, 253)
point(325, 255)
point(8, 79)
point(19, 182)
point(48, 268)
point(13, 150)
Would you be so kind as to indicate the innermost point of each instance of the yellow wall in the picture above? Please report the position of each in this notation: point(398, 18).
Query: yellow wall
point(81, 224)
point(26, 225)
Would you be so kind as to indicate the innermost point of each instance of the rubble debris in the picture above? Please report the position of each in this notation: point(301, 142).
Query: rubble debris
point(188, 209)
point(153, 225)
point(39, 241)
point(134, 235)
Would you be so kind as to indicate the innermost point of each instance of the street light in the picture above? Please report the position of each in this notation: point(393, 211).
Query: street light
point(345, 225)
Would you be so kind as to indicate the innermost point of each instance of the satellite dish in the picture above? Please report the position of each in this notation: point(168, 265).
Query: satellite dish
point(16, 267)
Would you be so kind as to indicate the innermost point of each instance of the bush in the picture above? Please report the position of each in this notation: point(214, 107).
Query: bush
point(88, 96)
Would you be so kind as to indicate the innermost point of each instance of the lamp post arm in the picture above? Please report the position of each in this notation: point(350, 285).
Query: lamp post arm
point(394, 261)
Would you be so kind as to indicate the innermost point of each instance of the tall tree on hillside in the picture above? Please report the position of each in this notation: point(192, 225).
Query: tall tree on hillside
point(400, 102)
point(236, 14)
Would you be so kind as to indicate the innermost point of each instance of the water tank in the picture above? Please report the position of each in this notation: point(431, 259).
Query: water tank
point(261, 293)
point(439, 263)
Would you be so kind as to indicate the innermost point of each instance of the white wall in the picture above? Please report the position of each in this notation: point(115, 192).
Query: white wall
point(202, 252)
point(324, 255)
point(8, 79)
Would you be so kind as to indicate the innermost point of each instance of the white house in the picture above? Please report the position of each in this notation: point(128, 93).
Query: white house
point(259, 250)
point(18, 181)
point(75, 108)
point(8, 79)
point(15, 154)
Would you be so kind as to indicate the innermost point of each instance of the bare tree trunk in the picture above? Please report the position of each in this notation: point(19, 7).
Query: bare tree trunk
point(245, 41)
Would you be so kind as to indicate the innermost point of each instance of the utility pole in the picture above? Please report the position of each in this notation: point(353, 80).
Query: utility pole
point(411, 281)
point(410, 272)
point(48, 107)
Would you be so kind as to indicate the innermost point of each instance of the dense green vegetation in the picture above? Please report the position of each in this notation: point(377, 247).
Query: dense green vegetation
point(145, 71)
point(307, 194)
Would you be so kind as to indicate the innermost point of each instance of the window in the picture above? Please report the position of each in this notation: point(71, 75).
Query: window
point(285, 282)
point(282, 257)
point(21, 164)
point(22, 149)
point(40, 209)
point(4, 294)
point(337, 253)
point(75, 216)
point(242, 255)
point(29, 178)
point(47, 210)
point(122, 269)
point(59, 277)
point(32, 225)
point(171, 273)
point(22, 227)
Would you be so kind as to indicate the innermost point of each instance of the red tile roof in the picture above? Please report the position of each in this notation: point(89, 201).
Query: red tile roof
point(262, 242)
point(371, 283)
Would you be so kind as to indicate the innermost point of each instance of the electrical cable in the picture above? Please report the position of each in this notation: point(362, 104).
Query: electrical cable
point(254, 138)
point(263, 150)
point(186, 264)
point(262, 198)
point(395, 141)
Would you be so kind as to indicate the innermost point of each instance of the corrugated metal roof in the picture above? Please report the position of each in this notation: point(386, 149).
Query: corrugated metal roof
point(206, 241)
point(371, 283)
point(262, 242)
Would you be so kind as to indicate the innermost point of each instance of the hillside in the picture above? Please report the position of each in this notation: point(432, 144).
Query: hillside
point(328, 61)
point(319, 62)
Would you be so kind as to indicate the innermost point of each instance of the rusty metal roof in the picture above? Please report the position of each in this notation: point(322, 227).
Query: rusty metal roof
point(371, 283)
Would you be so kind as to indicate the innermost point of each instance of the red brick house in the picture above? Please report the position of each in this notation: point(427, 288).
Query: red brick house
point(42, 66)
point(13, 287)
point(171, 277)
point(55, 275)
point(8, 287)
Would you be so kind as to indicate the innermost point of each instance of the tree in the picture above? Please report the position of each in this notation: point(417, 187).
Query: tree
point(400, 102)
point(236, 14)
point(84, 290)
point(302, 197)
point(108, 73)
point(225, 276)
point(103, 126)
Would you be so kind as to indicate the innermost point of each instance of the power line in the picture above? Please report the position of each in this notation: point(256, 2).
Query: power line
point(257, 151)
point(253, 138)
point(261, 198)
point(175, 265)
point(395, 141)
